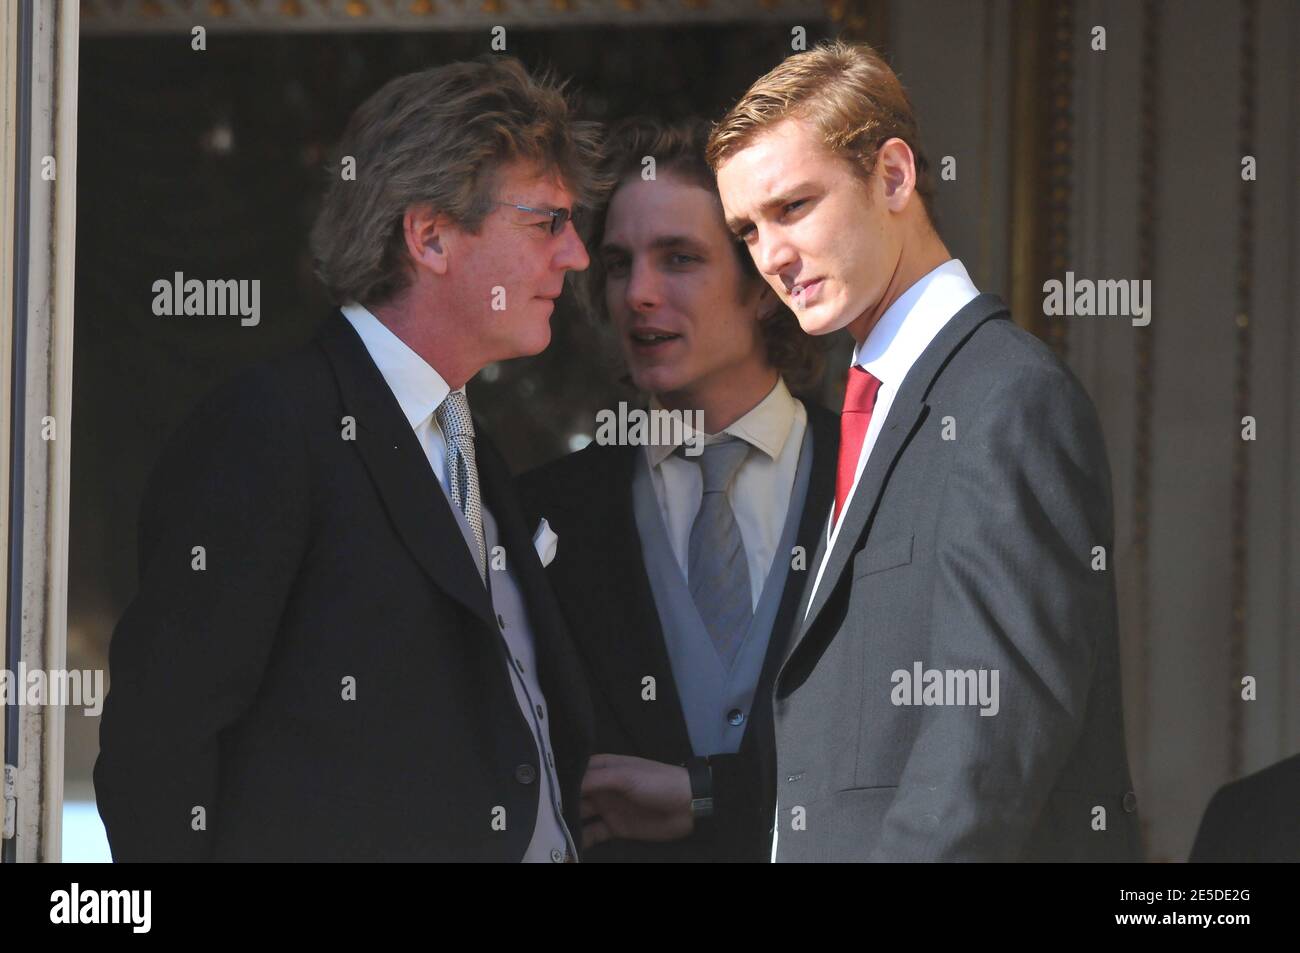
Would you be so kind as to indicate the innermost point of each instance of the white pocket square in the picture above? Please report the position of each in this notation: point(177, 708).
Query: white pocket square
point(545, 542)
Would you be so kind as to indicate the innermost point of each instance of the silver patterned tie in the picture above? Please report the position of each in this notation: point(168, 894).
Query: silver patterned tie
point(716, 563)
point(462, 470)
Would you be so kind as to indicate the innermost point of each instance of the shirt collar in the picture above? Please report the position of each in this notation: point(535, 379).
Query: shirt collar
point(766, 425)
point(419, 389)
point(908, 326)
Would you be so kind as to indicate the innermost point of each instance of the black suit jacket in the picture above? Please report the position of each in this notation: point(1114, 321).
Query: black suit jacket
point(1255, 819)
point(600, 578)
point(968, 545)
point(331, 684)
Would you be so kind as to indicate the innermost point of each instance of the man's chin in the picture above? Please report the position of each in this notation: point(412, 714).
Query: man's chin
point(817, 322)
point(654, 380)
point(533, 345)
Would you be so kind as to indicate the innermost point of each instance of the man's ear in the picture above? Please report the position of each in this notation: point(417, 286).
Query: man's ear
point(426, 234)
point(896, 167)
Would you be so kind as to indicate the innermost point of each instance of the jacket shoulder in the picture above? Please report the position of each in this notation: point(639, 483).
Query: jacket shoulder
point(1003, 362)
point(1002, 348)
point(291, 381)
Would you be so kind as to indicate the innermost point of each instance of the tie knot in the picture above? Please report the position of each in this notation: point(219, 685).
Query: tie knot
point(720, 461)
point(454, 417)
point(860, 393)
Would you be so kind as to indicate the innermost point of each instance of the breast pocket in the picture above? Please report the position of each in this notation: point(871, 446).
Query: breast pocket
point(877, 557)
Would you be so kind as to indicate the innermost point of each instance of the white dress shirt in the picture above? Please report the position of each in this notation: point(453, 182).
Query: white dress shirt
point(419, 389)
point(760, 493)
point(901, 335)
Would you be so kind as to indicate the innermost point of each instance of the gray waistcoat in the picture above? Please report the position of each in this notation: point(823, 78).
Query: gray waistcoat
point(551, 839)
point(716, 703)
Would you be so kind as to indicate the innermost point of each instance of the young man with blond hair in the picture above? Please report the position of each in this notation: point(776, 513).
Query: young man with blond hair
point(952, 688)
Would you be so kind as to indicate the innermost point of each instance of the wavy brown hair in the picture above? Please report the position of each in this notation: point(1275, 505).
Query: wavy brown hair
point(440, 137)
point(678, 149)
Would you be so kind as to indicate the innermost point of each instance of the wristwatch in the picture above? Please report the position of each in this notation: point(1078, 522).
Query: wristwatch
point(701, 775)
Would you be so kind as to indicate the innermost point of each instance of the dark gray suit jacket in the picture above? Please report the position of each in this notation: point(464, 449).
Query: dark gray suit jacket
point(964, 554)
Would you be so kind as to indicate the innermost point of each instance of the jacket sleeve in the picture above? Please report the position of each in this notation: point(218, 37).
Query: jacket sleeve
point(739, 816)
point(223, 527)
point(1026, 502)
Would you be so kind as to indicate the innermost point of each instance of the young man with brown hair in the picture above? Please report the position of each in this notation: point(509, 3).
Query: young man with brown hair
point(678, 569)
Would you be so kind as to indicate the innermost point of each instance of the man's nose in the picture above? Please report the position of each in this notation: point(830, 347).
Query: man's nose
point(643, 291)
point(772, 254)
point(573, 253)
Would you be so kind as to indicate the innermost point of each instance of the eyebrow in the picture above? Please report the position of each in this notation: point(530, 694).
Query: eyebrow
point(659, 244)
point(734, 224)
point(542, 206)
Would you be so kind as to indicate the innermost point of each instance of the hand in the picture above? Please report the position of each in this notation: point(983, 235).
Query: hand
point(631, 798)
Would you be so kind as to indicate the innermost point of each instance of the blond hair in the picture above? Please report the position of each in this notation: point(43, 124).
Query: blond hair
point(850, 96)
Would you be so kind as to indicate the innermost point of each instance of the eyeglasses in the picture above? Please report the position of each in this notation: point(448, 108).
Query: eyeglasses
point(559, 216)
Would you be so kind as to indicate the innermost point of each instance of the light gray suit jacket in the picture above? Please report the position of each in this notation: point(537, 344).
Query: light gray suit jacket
point(966, 551)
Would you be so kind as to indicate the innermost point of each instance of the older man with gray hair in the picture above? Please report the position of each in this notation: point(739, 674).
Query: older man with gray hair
point(343, 646)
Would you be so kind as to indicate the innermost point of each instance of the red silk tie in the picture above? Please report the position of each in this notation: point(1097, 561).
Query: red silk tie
point(859, 401)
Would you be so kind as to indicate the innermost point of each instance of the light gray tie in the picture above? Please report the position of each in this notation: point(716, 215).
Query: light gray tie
point(462, 469)
point(716, 563)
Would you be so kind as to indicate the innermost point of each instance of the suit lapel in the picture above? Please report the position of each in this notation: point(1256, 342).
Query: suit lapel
point(823, 428)
point(906, 414)
point(898, 429)
point(623, 639)
point(392, 454)
point(558, 666)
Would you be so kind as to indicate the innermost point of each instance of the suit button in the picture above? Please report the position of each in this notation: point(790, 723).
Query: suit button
point(501, 620)
point(1130, 802)
point(735, 717)
point(525, 774)
point(540, 713)
point(557, 855)
point(519, 665)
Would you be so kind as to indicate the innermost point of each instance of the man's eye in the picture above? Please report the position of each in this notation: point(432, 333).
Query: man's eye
point(794, 205)
point(680, 259)
point(615, 265)
point(546, 225)
point(744, 233)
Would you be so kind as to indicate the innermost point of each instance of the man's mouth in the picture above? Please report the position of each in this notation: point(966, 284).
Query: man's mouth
point(649, 338)
point(805, 291)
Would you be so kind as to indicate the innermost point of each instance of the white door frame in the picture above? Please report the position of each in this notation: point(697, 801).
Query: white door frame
point(38, 64)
